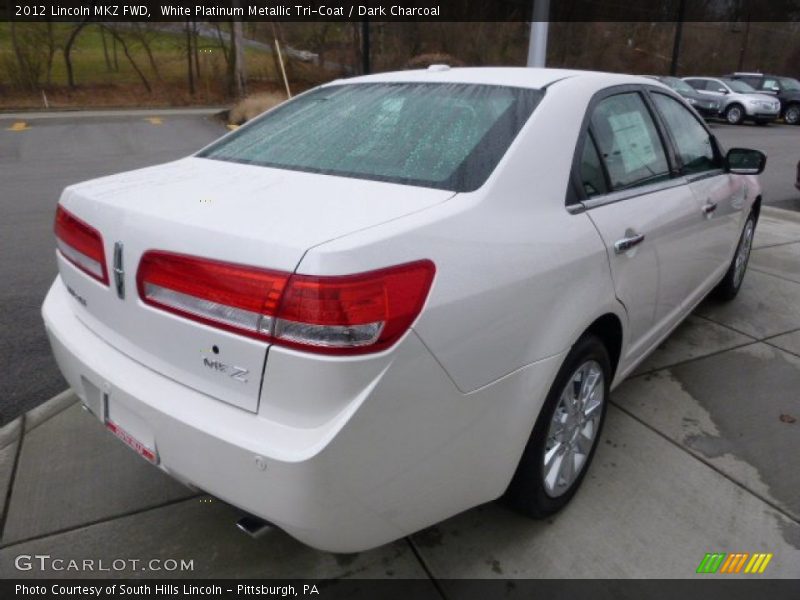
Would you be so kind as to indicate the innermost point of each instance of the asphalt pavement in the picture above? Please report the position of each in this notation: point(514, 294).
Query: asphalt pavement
point(781, 144)
point(39, 156)
point(40, 153)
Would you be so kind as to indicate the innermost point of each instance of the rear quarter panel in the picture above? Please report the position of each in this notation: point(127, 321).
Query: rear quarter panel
point(518, 277)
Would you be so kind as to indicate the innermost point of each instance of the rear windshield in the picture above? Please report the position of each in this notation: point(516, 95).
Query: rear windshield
point(446, 136)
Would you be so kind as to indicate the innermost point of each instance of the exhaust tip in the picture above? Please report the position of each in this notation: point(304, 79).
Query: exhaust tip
point(254, 526)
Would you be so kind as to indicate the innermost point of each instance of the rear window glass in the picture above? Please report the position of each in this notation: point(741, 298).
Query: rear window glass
point(628, 142)
point(446, 136)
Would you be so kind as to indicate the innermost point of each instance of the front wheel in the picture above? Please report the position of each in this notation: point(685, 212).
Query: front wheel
point(732, 282)
point(734, 114)
point(566, 433)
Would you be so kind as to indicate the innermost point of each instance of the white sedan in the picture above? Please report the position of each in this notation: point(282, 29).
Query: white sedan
point(398, 296)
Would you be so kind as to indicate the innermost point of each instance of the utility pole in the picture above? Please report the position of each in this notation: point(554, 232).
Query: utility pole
point(745, 41)
point(365, 63)
point(537, 46)
point(676, 44)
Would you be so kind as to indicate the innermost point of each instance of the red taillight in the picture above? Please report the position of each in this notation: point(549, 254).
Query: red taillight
point(234, 297)
point(81, 244)
point(353, 313)
point(337, 315)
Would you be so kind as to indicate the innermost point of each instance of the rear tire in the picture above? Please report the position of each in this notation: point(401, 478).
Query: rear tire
point(734, 114)
point(729, 287)
point(566, 433)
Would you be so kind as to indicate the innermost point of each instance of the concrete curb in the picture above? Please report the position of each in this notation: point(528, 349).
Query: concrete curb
point(10, 432)
point(50, 408)
point(781, 213)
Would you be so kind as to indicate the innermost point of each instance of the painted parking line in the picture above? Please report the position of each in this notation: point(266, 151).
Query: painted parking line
point(18, 126)
point(154, 120)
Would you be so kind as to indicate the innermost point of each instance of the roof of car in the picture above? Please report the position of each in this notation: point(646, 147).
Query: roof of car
point(527, 77)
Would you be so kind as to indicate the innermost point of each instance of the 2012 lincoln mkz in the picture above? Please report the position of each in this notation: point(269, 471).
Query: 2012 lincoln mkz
point(398, 296)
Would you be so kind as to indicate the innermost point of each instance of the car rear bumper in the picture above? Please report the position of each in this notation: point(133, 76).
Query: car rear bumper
point(404, 452)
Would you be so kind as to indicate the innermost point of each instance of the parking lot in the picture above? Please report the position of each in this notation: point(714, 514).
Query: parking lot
point(780, 144)
point(699, 453)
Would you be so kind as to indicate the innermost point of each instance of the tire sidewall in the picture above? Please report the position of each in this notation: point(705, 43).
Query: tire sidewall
point(527, 491)
point(727, 288)
point(750, 219)
point(792, 109)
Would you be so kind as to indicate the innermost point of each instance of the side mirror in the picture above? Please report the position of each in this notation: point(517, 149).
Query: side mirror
point(743, 161)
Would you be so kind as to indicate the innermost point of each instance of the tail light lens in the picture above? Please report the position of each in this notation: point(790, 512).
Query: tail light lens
point(350, 314)
point(81, 244)
point(233, 297)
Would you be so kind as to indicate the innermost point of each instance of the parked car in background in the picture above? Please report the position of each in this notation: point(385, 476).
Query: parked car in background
point(707, 107)
point(739, 100)
point(397, 296)
point(787, 90)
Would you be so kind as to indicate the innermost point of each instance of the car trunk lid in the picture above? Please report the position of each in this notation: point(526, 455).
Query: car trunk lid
point(243, 214)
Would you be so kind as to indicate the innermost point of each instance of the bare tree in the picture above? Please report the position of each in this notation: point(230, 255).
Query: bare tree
point(73, 35)
point(239, 74)
point(51, 52)
point(117, 36)
point(105, 49)
point(30, 45)
point(143, 34)
point(189, 66)
point(196, 51)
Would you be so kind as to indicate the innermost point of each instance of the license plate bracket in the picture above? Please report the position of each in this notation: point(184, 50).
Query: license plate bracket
point(149, 454)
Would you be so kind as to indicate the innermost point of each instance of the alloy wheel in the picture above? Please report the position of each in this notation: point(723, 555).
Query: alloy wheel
point(573, 428)
point(734, 115)
point(792, 115)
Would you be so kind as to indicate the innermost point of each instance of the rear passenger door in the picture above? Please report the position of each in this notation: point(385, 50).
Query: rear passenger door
point(641, 209)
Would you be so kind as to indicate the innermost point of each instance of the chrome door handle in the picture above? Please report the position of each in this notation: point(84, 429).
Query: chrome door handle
point(627, 243)
point(709, 207)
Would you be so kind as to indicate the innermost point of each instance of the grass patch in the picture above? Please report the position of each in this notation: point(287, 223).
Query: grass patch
point(103, 79)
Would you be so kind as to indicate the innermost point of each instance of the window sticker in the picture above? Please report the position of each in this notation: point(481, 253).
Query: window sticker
point(633, 141)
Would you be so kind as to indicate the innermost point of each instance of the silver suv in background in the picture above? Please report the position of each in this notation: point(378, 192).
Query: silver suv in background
point(785, 89)
point(739, 100)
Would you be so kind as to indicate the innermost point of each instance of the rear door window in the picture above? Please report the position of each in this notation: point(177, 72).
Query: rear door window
point(628, 142)
point(698, 84)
